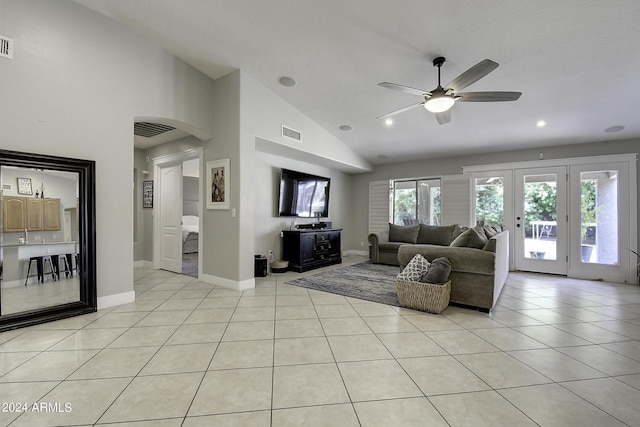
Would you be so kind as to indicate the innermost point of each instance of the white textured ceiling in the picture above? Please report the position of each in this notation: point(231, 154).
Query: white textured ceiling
point(576, 62)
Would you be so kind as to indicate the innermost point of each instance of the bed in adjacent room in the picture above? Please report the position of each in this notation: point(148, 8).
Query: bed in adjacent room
point(190, 228)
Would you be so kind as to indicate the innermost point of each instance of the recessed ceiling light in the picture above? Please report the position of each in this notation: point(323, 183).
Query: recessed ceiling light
point(388, 122)
point(287, 81)
point(346, 128)
point(541, 123)
point(614, 129)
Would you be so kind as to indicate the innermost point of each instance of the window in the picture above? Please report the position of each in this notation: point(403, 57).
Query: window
point(489, 200)
point(416, 201)
point(599, 217)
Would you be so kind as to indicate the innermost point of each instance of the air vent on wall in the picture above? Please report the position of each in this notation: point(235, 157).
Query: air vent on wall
point(290, 133)
point(149, 130)
point(7, 187)
point(6, 47)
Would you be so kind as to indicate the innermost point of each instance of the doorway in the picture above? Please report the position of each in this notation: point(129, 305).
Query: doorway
point(190, 217)
point(540, 233)
point(177, 212)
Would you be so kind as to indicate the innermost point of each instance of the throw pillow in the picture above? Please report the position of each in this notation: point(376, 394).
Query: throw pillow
point(438, 271)
point(490, 231)
point(415, 270)
point(470, 238)
point(403, 233)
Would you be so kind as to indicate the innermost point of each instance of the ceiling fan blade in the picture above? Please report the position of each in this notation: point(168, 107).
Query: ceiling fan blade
point(444, 117)
point(488, 96)
point(400, 110)
point(472, 75)
point(405, 89)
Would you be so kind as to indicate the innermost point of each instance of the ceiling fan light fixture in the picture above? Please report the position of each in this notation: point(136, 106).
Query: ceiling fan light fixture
point(439, 104)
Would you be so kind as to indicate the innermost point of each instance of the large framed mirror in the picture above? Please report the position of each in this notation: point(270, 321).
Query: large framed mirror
point(47, 238)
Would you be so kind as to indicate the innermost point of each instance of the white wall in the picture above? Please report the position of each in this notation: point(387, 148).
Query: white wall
point(77, 81)
point(262, 115)
point(267, 222)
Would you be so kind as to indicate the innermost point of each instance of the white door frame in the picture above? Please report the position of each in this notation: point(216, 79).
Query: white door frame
point(158, 163)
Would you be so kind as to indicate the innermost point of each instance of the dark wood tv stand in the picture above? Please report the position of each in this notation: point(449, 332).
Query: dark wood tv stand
point(307, 249)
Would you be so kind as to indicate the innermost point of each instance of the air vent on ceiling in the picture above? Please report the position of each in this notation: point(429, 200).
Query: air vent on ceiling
point(6, 47)
point(149, 130)
point(290, 133)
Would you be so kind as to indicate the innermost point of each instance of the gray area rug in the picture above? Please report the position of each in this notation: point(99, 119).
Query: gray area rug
point(367, 281)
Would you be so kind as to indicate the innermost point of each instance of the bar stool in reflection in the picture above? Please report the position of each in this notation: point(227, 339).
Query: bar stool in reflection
point(41, 263)
point(64, 261)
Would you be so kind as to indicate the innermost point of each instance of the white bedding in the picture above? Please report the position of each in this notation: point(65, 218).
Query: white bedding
point(190, 224)
point(190, 228)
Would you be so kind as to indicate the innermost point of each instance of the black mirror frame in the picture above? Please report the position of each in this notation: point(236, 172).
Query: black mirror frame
point(87, 238)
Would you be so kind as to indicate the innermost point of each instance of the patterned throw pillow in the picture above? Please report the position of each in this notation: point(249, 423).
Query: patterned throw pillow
point(415, 270)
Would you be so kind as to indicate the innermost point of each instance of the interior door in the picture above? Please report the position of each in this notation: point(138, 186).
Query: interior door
point(540, 237)
point(599, 225)
point(171, 218)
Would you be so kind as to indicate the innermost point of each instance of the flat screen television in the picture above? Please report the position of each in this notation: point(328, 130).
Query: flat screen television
point(303, 195)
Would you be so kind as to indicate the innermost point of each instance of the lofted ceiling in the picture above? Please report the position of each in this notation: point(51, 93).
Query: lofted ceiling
point(576, 63)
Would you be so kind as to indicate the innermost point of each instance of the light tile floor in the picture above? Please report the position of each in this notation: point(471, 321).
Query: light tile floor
point(554, 352)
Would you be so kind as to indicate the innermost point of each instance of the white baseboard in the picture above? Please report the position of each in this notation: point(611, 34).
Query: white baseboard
point(13, 283)
point(355, 252)
point(227, 283)
point(116, 299)
point(142, 264)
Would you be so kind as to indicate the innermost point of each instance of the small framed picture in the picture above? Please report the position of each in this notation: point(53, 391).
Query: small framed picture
point(24, 186)
point(147, 194)
point(218, 184)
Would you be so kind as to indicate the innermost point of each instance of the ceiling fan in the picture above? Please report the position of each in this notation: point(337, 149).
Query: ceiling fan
point(441, 99)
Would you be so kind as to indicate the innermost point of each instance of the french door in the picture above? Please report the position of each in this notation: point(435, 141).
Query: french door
point(540, 232)
point(599, 226)
point(574, 217)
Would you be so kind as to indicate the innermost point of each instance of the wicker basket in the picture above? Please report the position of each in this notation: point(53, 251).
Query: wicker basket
point(424, 296)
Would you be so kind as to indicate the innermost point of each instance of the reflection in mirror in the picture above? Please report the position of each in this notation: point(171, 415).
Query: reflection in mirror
point(47, 247)
point(39, 239)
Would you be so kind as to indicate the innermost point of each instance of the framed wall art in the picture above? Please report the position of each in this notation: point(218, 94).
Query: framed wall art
point(24, 186)
point(218, 184)
point(147, 194)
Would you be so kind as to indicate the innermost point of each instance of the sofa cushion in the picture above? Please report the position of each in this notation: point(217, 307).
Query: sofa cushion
point(403, 233)
point(438, 271)
point(471, 238)
point(435, 234)
point(416, 270)
point(390, 246)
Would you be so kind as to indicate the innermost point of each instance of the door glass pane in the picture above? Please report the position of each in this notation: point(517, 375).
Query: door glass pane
point(404, 203)
point(489, 201)
point(599, 217)
point(540, 216)
point(429, 201)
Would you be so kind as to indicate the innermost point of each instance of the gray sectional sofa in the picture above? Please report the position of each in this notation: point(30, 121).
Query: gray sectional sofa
point(479, 257)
